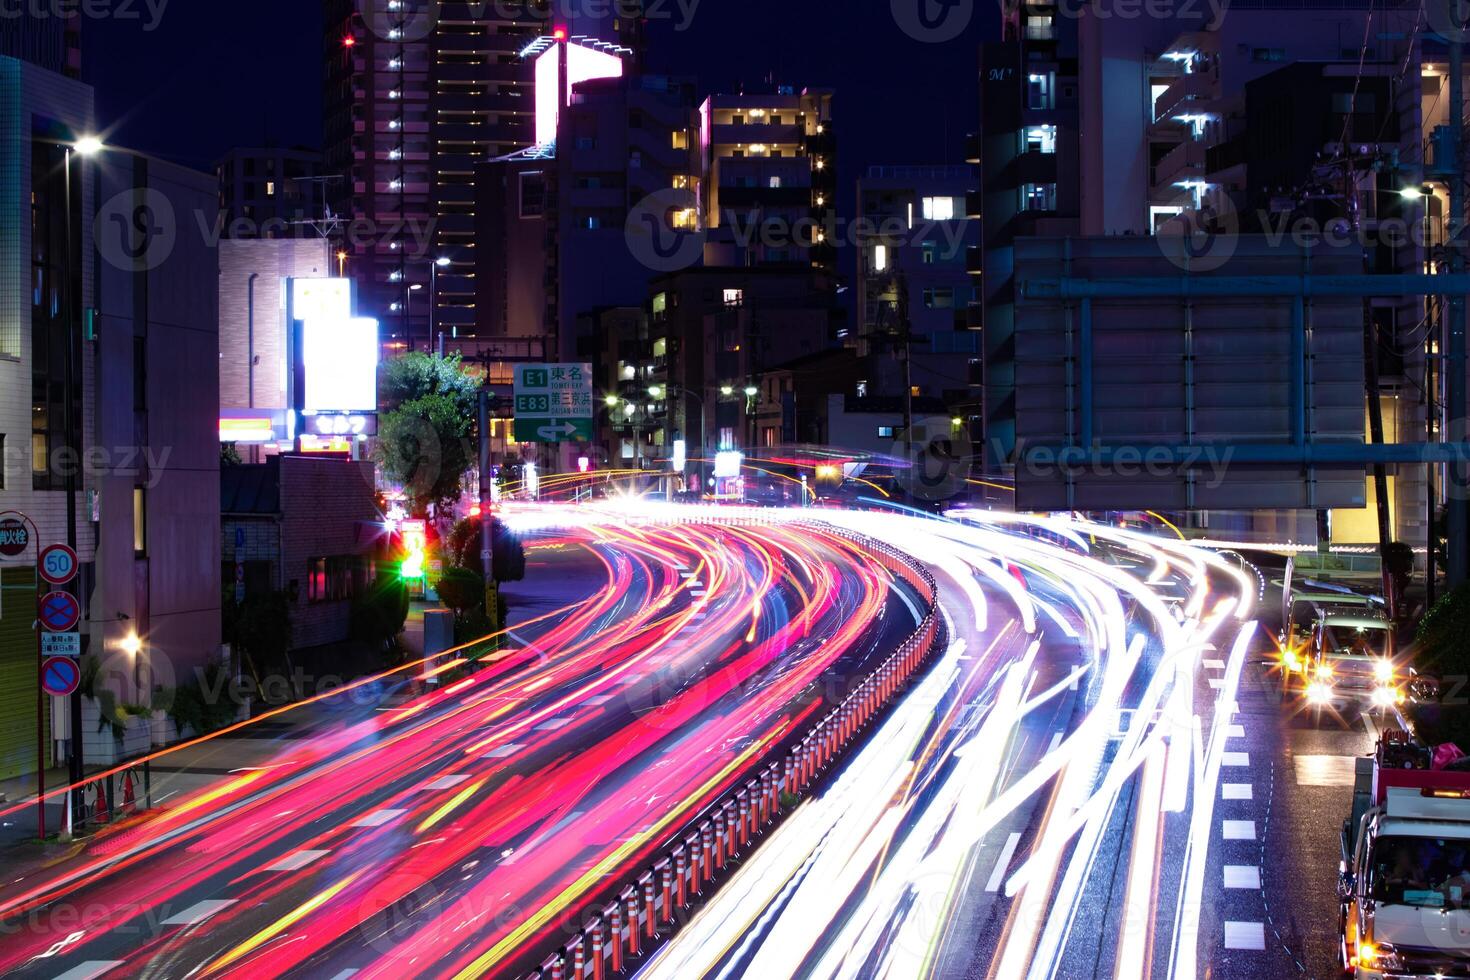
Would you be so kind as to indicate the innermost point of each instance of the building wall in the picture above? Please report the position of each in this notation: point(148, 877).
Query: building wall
point(31, 98)
point(159, 420)
point(325, 504)
point(272, 263)
point(932, 259)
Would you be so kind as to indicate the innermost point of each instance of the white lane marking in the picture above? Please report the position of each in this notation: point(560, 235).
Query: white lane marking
point(552, 724)
point(1213, 664)
point(199, 911)
point(1235, 759)
point(377, 818)
point(446, 782)
point(1216, 683)
point(1238, 829)
point(1002, 863)
point(297, 861)
point(1372, 729)
point(1235, 731)
point(1246, 876)
point(1235, 791)
point(352, 972)
point(504, 751)
point(89, 969)
point(1326, 770)
point(1055, 741)
point(600, 700)
point(1245, 935)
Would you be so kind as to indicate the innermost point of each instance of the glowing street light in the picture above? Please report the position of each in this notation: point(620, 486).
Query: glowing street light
point(88, 146)
point(655, 391)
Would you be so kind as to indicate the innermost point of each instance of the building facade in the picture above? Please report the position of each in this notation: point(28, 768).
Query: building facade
point(417, 94)
point(916, 295)
point(273, 192)
point(108, 389)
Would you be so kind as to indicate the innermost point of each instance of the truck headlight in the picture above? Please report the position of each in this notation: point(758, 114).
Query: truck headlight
point(1383, 671)
point(1319, 693)
point(1290, 660)
point(1379, 956)
point(1324, 672)
point(1386, 697)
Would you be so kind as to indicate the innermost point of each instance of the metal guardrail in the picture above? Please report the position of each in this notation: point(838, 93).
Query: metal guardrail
point(646, 909)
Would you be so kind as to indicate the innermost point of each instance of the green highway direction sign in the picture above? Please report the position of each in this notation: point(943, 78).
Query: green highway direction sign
point(553, 402)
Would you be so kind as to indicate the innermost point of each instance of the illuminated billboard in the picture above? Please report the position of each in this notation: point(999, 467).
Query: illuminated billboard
point(340, 361)
point(583, 64)
point(311, 299)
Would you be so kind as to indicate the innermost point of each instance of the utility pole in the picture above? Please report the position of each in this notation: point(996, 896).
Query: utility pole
point(1457, 485)
point(487, 537)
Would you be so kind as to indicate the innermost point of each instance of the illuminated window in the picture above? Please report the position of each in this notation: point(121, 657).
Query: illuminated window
point(686, 219)
point(885, 432)
point(140, 522)
point(775, 182)
point(734, 297)
point(938, 209)
point(880, 258)
point(270, 188)
point(660, 302)
point(682, 182)
point(916, 391)
point(1038, 197)
point(681, 139)
point(1039, 90)
point(1040, 139)
point(1039, 27)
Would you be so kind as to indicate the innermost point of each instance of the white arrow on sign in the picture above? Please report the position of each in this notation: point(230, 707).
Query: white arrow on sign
point(552, 431)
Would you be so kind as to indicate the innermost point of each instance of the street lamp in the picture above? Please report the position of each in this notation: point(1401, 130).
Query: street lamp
point(408, 312)
point(440, 263)
point(660, 392)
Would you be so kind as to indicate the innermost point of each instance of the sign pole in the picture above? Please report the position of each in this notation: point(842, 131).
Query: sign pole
point(487, 536)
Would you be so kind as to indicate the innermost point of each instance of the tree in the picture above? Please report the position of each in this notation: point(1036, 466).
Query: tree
point(415, 376)
point(1444, 636)
point(378, 614)
point(462, 549)
point(426, 446)
point(426, 434)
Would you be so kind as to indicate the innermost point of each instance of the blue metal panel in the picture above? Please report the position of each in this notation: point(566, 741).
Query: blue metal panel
point(1085, 365)
point(1185, 287)
point(1279, 454)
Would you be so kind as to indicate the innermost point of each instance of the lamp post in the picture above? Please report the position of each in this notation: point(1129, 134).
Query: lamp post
point(86, 146)
point(408, 312)
point(660, 391)
point(439, 263)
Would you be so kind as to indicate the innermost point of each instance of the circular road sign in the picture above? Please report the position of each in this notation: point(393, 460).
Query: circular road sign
point(60, 676)
point(58, 564)
point(15, 537)
point(59, 611)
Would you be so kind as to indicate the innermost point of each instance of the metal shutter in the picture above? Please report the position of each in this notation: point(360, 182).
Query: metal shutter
point(19, 673)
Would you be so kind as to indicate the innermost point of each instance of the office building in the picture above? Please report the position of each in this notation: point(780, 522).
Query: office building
point(273, 192)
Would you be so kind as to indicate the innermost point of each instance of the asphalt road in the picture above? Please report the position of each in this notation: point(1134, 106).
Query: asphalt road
point(463, 826)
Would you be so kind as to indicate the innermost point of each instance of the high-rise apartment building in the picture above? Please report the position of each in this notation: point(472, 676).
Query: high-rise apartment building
point(771, 192)
point(417, 94)
point(916, 297)
point(272, 192)
point(47, 36)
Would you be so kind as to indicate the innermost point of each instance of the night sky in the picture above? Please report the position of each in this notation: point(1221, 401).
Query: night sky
point(212, 75)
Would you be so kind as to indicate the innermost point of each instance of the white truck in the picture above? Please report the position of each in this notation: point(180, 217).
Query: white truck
point(1404, 880)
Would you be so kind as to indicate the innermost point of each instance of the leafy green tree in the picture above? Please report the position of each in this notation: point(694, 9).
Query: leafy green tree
point(1444, 636)
point(415, 376)
point(426, 446)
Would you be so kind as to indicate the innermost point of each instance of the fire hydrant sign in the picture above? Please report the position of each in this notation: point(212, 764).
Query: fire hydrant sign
point(553, 402)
